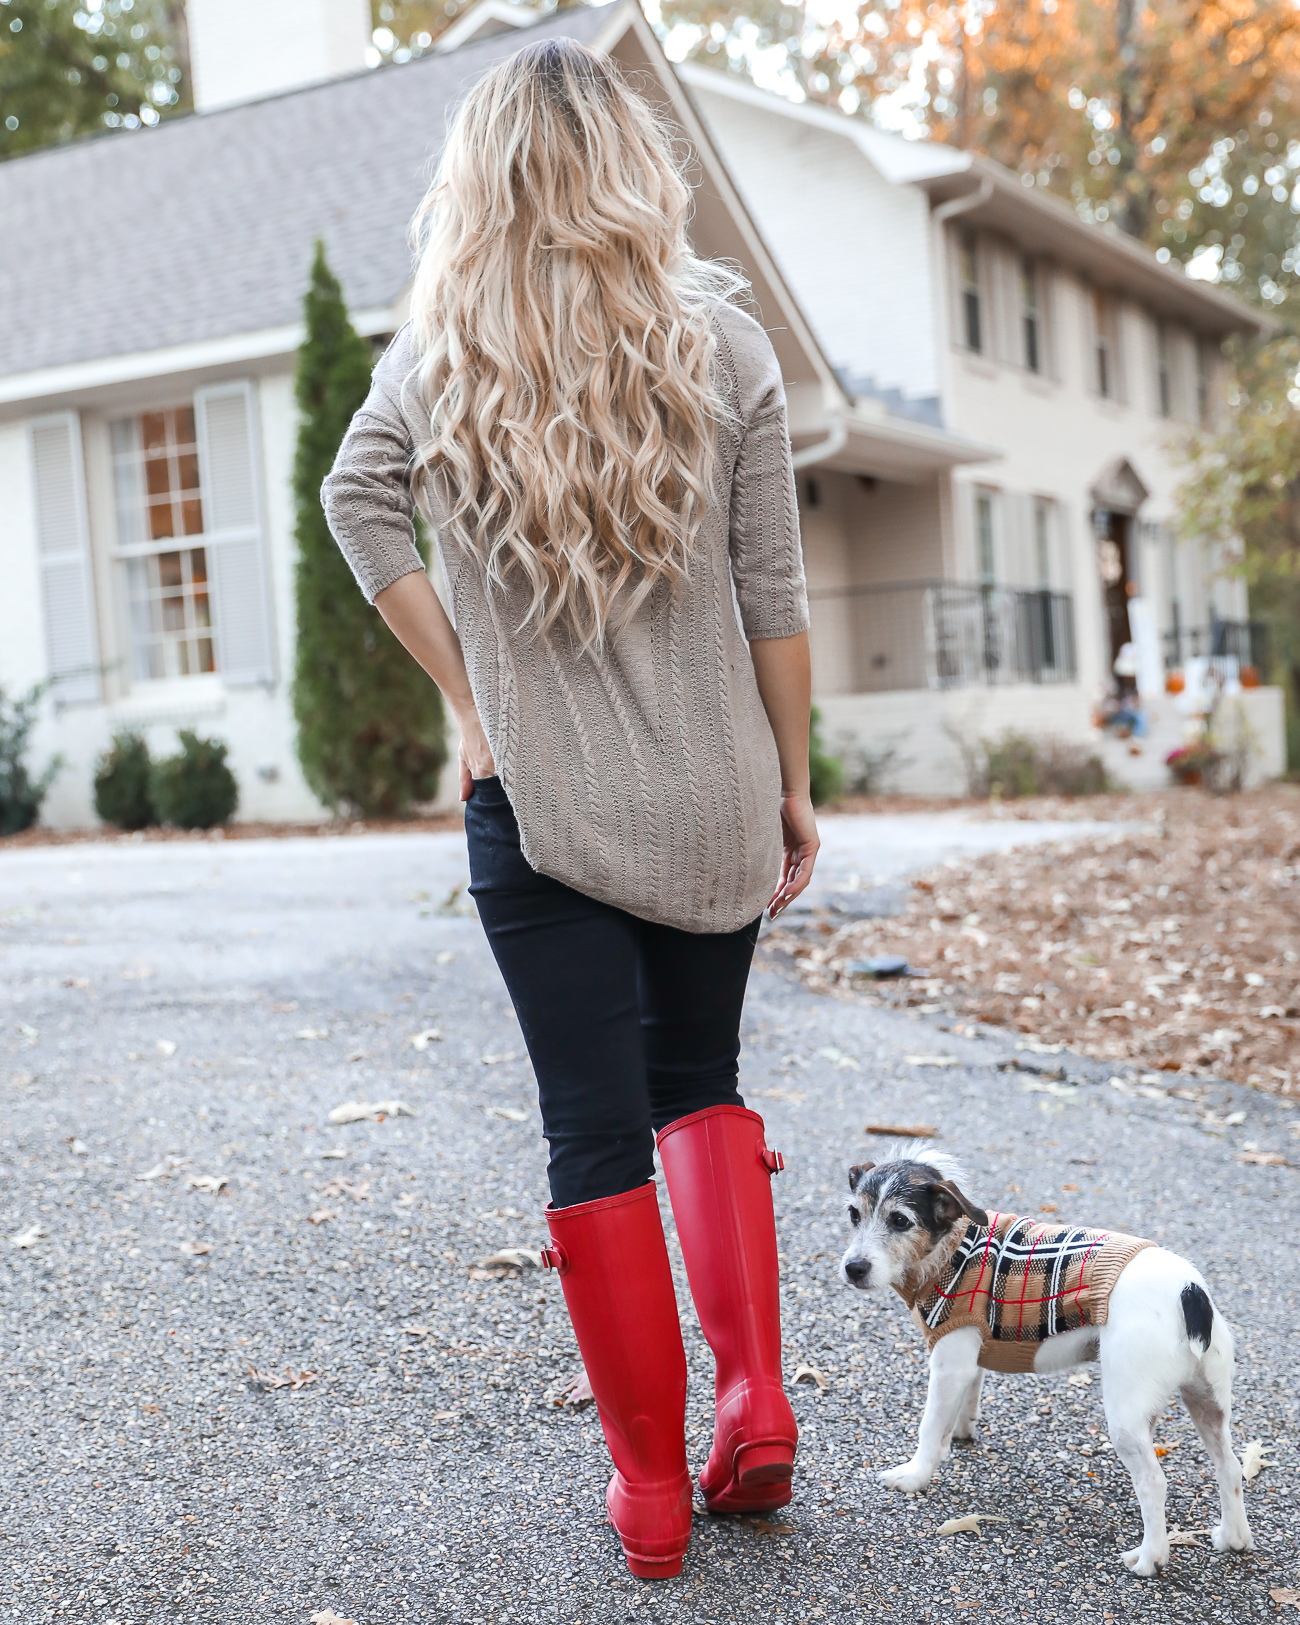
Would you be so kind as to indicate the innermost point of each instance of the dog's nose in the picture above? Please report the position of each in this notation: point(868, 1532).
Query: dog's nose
point(857, 1271)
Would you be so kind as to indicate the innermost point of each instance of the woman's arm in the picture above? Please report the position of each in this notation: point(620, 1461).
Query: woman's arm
point(783, 667)
point(415, 614)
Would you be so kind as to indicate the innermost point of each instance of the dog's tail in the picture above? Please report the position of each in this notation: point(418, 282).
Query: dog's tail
point(1198, 1315)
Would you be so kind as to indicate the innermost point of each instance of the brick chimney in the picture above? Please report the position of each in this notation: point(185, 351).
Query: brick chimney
point(243, 49)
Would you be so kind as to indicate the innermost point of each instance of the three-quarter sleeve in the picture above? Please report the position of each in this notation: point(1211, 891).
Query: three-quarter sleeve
point(367, 494)
point(766, 557)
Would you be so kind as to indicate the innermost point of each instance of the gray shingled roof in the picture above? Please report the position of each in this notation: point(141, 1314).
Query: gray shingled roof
point(204, 227)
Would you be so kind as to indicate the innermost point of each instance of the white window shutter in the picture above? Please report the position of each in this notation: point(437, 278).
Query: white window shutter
point(226, 419)
point(63, 544)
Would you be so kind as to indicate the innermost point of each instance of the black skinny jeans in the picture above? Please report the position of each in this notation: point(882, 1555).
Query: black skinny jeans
point(629, 1025)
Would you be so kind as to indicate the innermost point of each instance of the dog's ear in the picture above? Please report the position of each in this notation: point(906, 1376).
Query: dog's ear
point(858, 1175)
point(950, 1202)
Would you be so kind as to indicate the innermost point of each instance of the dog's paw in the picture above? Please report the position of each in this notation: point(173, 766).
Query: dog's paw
point(1144, 1560)
point(967, 1434)
point(910, 1478)
point(1225, 1539)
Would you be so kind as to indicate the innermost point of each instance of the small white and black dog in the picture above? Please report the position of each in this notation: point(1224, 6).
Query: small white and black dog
point(995, 1291)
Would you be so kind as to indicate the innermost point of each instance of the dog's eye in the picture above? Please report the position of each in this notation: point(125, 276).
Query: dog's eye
point(855, 1218)
point(899, 1221)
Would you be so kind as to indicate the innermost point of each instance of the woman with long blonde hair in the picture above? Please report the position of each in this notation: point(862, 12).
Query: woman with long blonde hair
point(596, 434)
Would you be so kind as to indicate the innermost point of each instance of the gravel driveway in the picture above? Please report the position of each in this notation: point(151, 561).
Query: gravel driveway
point(181, 1011)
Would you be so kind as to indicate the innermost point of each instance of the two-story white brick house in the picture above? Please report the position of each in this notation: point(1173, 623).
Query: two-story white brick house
point(154, 284)
point(940, 282)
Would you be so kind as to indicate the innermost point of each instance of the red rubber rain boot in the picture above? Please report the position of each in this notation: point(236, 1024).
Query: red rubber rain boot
point(719, 1179)
point(618, 1286)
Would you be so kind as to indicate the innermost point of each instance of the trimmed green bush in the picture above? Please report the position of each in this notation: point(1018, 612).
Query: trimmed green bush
point(20, 794)
point(194, 790)
point(371, 733)
point(122, 783)
point(825, 772)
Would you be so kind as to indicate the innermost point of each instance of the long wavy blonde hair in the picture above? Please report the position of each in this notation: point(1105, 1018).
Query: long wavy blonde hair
point(562, 320)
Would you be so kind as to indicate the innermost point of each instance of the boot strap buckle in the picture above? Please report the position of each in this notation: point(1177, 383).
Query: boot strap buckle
point(553, 1259)
point(773, 1161)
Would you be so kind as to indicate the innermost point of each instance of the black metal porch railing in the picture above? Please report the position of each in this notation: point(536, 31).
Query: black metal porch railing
point(1246, 642)
point(944, 634)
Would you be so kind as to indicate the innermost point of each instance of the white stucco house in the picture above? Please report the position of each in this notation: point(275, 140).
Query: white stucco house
point(982, 394)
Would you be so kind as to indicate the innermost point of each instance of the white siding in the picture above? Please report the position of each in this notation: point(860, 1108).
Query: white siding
point(853, 247)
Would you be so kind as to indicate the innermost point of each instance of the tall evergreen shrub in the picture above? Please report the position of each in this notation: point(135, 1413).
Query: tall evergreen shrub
point(371, 735)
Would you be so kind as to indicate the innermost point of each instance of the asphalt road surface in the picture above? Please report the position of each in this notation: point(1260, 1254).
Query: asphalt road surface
point(195, 1011)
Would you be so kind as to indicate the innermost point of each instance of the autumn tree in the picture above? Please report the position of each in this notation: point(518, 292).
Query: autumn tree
point(1243, 490)
point(1178, 120)
point(68, 69)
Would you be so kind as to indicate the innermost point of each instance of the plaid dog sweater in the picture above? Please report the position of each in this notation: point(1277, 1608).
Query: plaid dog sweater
point(1020, 1282)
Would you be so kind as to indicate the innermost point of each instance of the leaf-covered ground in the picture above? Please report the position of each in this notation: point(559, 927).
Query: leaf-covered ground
point(1172, 943)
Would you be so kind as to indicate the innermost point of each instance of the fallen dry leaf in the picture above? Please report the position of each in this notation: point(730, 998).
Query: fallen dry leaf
point(1285, 1596)
point(336, 1154)
point(804, 1372)
point(444, 1416)
point(166, 1046)
point(28, 1237)
point(273, 1379)
point(838, 1058)
point(76, 981)
point(765, 1527)
point(422, 1040)
point(1252, 1460)
point(792, 1096)
point(79, 1148)
point(512, 1114)
point(497, 1060)
point(1185, 1537)
point(516, 1258)
point(209, 1184)
point(418, 1331)
point(969, 1525)
point(312, 1032)
point(327, 1616)
point(164, 1169)
point(344, 1187)
point(196, 1249)
point(1262, 1159)
point(904, 1131)
point(576, 1394)
point(931, 1060)
point(322, 1215)
point(363, 1111)
point(1080, 1379)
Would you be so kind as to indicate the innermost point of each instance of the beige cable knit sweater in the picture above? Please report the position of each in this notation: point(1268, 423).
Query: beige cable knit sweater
point(647, 778)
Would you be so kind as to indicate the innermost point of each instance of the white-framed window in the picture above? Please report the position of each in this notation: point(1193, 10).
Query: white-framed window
point(1043, 525)
point(1164, 372)
point(1104, 359)
point(972, 312)
point(1204, 399)
point(189, 560)
point(159, 504)
point(986, 536)
point(1031, 313)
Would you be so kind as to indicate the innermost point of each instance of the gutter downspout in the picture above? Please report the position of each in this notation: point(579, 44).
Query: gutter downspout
point(833, 442)
point(943, 293)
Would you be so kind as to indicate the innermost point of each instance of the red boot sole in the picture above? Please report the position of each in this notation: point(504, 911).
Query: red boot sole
point(760, 1480)
point(666, 1568)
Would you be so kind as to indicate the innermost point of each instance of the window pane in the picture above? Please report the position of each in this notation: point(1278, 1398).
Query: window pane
point(191, 517)
point(170, 614)
point(162, 525)
point(153, 432)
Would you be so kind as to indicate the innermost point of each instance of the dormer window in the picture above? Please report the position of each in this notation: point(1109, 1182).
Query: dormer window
point(970, 293)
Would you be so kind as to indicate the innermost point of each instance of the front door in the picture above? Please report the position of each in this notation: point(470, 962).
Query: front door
point(1115, 566)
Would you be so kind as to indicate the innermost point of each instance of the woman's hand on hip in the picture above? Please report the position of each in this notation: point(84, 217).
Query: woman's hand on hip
point(800, 844)
point(475, 755)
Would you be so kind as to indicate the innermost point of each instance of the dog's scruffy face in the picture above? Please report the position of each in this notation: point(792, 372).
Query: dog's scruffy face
point(902, 1212)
